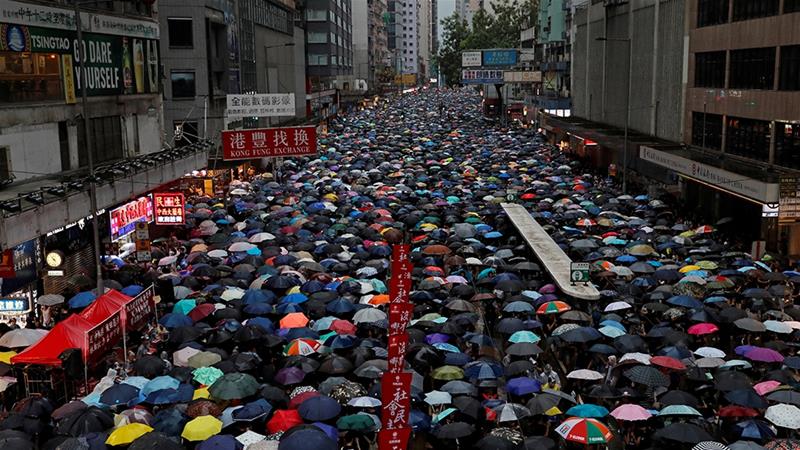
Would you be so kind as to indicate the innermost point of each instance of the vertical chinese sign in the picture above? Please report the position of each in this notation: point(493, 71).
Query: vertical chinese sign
point(396, 384)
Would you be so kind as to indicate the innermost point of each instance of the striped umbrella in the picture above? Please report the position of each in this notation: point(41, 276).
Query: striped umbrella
point(554, 307)
point(302, 347)
point(584, 431)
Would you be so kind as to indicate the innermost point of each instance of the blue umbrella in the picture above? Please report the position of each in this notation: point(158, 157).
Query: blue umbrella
point(756, 429)
point(523, 386)
point(82, 300)
point(258, 309)
point(252, 296)
point(220, 442)
point(132, 290)
point(306, 437)
point(252, 411)
point(685, 301)
point(331, 431)
point(119, 394)
point(483, 370)
point(159, 383)
point(174, 320)
point(319, 408)
point(169, 421)
point(263, 323)
point(339, 306)
point(588, 410)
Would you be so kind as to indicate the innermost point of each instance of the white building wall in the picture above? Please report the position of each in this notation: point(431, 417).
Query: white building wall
point(33, 148)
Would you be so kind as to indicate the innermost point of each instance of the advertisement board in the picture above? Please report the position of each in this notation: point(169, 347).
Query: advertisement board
point(269, 142)
point(260, 105)
point(169, 208)
point(481, 76)
point(504, 57)
point(471, 59)
point(123, 220)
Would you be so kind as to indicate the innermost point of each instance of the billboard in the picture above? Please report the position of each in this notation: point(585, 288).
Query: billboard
point(123, 220)
point(269, 142)
point(481, 76)
point(504, 57)
point(169, 208)
point(260, 105)
point(471, 59)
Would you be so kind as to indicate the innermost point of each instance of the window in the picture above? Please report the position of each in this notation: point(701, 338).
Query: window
point(753, 9)
point(317, 59)
point(30, 77)
point(790, 69)
point(709, 69)
point(712, 12)
point(182, 84)
point(180, 32)
point(708, 125)
point(316, 15)
point(106, 140)
point(787, 144)
point(748, 137)
point(333, 60)
point(315, 37)
point(752, 68)
point(790, 6)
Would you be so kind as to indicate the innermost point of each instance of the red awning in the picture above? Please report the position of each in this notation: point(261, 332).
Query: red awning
point(69, 333)
point(104, 306)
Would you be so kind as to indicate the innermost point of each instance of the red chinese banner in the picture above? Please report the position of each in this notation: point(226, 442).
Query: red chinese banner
point(169, 208)
point(399, 317)
point(394, 439)
point(140, 309)
point(103, 337)
point(398, 343)
point(269, 142)
point(396, 397)
point(400, 282)
point(7, 269)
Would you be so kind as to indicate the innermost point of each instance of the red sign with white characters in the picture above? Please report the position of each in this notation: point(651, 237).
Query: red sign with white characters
point(398, 343)
point(399, 317)
point(394, 439)
point(169, 208)
point(400, 282)
point(269, 142)
point(396, 398)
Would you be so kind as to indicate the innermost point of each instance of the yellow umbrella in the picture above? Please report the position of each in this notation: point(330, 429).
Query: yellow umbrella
point(200, 393)
point(128, 433)
point(707, 265)
point(201, 428)
point(688, 268)
point(554, 411)
point(6, 356)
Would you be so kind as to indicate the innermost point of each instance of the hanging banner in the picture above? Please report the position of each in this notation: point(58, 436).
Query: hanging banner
point(394, 439)
point(400, 282)
point(398, 343)
point(103, 337)
point(269, 142)
point(140, 309)
point(396, 397)
point(169, 208)
point(399, 317)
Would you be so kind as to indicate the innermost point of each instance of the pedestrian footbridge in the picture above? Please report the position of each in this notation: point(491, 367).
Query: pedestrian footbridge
point(555, 261)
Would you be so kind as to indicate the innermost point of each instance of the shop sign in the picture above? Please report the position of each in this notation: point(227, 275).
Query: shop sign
point(719, 178)
point(169, 208)
point(123, 220)
point(44, 16)
point(260, 105)
point(269, 142)
point(140, 309)
point(396, 439)
point(789, 209)
point(522, 76)
point(481, 76)
point(13, 305)
point(398, 343)
point(399, 317)
point(103, 337)
point(471, 59)
point(396, 398)
point(115, 65)
point(23, 260)
point(506, 57)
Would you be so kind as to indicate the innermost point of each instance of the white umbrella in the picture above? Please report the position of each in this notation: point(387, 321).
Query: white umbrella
point(218, 253)
point(50, 300)
point(784, 416)
point(364, 402)
point(181, 292)
point(709, 363)
point(637, 357)
point(617, 306)
point(585, 374)
point(181, 357)
point(434, 398)
point(368, 315)
point(778, 327)
point(240, 247)
point(250, 437)
point(709, 352)
point(239, 192)
point(511, 412)
point(22, 337)
point(261, 237)
point(232, 293)
point(167, 260)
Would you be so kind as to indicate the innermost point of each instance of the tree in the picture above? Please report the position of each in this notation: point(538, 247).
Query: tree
point(449, 57)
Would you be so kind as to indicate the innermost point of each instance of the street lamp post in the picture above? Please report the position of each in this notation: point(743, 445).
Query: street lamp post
point(88, 141)
point(627, 110)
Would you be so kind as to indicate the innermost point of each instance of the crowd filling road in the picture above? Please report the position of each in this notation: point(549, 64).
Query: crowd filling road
point(272, 330)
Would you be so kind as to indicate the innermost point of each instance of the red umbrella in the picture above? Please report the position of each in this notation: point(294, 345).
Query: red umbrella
point(342, 327)
point(201, 311)
point(737, 411)
point(283, 420)
point(295, 402)
point(667, 362)
point(702, 328)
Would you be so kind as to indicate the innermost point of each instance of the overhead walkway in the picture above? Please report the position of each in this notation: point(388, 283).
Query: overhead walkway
point(555, 261)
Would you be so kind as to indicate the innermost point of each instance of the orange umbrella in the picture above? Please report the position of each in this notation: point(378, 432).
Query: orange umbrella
point(294, 320)
point(379, 300)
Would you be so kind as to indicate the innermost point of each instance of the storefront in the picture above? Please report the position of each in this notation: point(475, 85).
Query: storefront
point(68, 253)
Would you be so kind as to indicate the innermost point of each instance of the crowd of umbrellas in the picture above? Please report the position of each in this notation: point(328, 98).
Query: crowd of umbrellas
point(276, 337)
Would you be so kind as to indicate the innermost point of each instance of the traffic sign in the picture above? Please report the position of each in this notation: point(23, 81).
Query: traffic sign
point(142, 231)
point(579, 272)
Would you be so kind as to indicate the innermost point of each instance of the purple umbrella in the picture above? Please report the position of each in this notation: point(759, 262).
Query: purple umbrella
point(289, 375)
point(762, 354)
point(523, 386)
point(742, 349)
point(436, 338)
point(332, 432)
point(548, 289)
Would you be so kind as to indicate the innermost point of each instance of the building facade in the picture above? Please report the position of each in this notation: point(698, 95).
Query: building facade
point(553, 53)
point(370, 46)
point(407, 31)
point(424, 41)
point(329, 44)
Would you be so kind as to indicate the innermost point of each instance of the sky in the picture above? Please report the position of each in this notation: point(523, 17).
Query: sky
point(445, 9)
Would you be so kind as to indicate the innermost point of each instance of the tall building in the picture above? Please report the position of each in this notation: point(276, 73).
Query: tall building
point(407, 29)
point(213, 48)
point(329, 44)
point(370, 46)
point(424, 41)
point(46, 206)
point(552, 52)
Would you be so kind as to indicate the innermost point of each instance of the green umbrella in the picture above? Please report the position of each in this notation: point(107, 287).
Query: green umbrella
point(184, 306)
point(448, 373)
point(203, 359)
point(356, 422)
point(207, 375)
point(233, 386)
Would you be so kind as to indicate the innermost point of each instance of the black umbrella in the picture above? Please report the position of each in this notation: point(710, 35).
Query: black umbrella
point(15, 440)
point(677, 397)
point(155, 440)
point(683, 432)
point(647, 375)
point(455, 430)
point(150, 366)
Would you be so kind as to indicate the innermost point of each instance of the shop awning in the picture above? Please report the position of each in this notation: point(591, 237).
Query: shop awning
point(104, 306)
point(69, 333)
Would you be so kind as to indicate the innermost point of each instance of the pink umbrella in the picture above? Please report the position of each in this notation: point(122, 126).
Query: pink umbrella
point(702, 328)
point(765, 387)
point(763, 354)
point(630, 412)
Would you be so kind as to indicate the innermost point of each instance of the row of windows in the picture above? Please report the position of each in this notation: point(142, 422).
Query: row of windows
point(748, 137)
point(716, 12)
point(752, 68)
point(322, 60)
